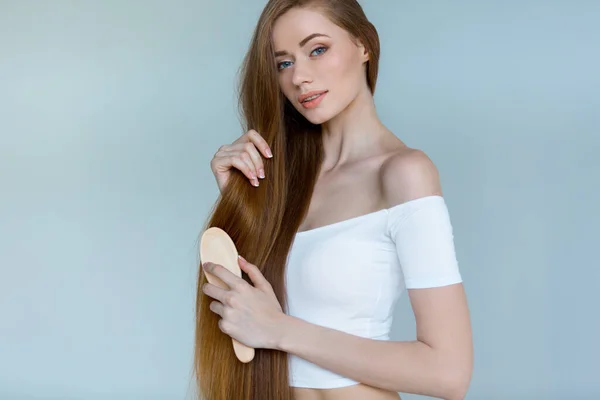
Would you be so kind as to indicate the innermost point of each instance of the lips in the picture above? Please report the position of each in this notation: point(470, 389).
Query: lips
point(305, 96)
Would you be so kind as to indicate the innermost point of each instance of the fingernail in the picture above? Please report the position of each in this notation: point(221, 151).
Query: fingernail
point(261, 173)
point(241, 258)
point(269, 153)
point(255, 182)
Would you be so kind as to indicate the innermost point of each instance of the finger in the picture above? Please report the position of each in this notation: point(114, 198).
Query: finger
point(214, 291)
point(241, 154)
point(252, 157)
point(223, 326)
point(250, 148)
point(257, 278)
point(228, 277)
point(233, 158)
point(217, 307)
point(260, 143)
point(248, 161)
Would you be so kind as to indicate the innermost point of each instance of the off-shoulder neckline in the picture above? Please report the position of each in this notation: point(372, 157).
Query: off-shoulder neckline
point(363, 216)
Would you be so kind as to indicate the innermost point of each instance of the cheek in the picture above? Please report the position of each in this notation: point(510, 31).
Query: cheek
point(286, 86)
point(355, 75)
point(343, 79)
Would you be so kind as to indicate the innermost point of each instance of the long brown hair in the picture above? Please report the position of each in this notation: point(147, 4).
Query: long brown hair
point(262, 221)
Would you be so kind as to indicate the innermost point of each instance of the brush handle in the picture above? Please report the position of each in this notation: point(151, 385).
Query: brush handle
point(217, 247)
point(244, 353)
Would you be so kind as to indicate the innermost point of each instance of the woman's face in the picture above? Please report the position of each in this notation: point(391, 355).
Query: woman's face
point(314, 55)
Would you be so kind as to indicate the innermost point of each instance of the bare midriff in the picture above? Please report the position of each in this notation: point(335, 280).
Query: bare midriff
point(354, 392)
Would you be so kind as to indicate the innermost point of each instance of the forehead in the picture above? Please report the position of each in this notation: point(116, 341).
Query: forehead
point(296, 24)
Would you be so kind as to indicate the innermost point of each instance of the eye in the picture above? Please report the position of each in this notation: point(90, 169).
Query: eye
point(320, 48)
point(279, 65)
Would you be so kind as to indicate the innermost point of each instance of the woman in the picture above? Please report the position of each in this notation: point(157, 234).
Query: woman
point(346, 216)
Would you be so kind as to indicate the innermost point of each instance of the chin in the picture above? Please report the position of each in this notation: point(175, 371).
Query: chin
point(317, 120)
point(316, 117)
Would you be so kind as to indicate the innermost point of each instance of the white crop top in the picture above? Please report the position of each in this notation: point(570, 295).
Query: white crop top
point(349, 275)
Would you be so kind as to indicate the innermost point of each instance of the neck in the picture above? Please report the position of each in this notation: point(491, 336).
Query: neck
point(353, 134)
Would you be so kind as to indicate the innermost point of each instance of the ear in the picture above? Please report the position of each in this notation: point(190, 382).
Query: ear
point(364, 53)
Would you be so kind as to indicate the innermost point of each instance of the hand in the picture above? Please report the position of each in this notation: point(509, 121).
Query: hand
point(250, 314)
point(242, 154)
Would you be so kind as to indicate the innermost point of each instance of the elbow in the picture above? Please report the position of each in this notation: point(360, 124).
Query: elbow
point(457, 392)
point(456, 382)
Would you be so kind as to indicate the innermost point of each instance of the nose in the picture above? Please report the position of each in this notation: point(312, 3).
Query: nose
point(302, 73)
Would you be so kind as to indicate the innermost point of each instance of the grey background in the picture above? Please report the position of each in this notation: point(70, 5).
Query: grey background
point(110, 112)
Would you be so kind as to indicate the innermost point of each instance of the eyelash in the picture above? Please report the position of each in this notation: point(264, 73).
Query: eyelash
point(320, 47)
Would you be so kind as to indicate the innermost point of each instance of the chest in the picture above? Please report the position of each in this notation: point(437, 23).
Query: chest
point(343, 273)
point(343, 195)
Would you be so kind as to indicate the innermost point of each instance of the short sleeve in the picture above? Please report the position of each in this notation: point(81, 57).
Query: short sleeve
point(422, 233)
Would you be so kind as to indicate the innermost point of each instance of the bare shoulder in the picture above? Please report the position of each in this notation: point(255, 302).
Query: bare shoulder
point(409, 174)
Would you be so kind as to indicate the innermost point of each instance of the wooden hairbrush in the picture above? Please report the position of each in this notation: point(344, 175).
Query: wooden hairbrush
point(217, 247)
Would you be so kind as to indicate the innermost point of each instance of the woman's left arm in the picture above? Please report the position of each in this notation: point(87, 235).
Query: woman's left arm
point(437, 364)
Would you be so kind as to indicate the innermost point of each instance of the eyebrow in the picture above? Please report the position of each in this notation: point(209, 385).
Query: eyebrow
point(302, 43)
